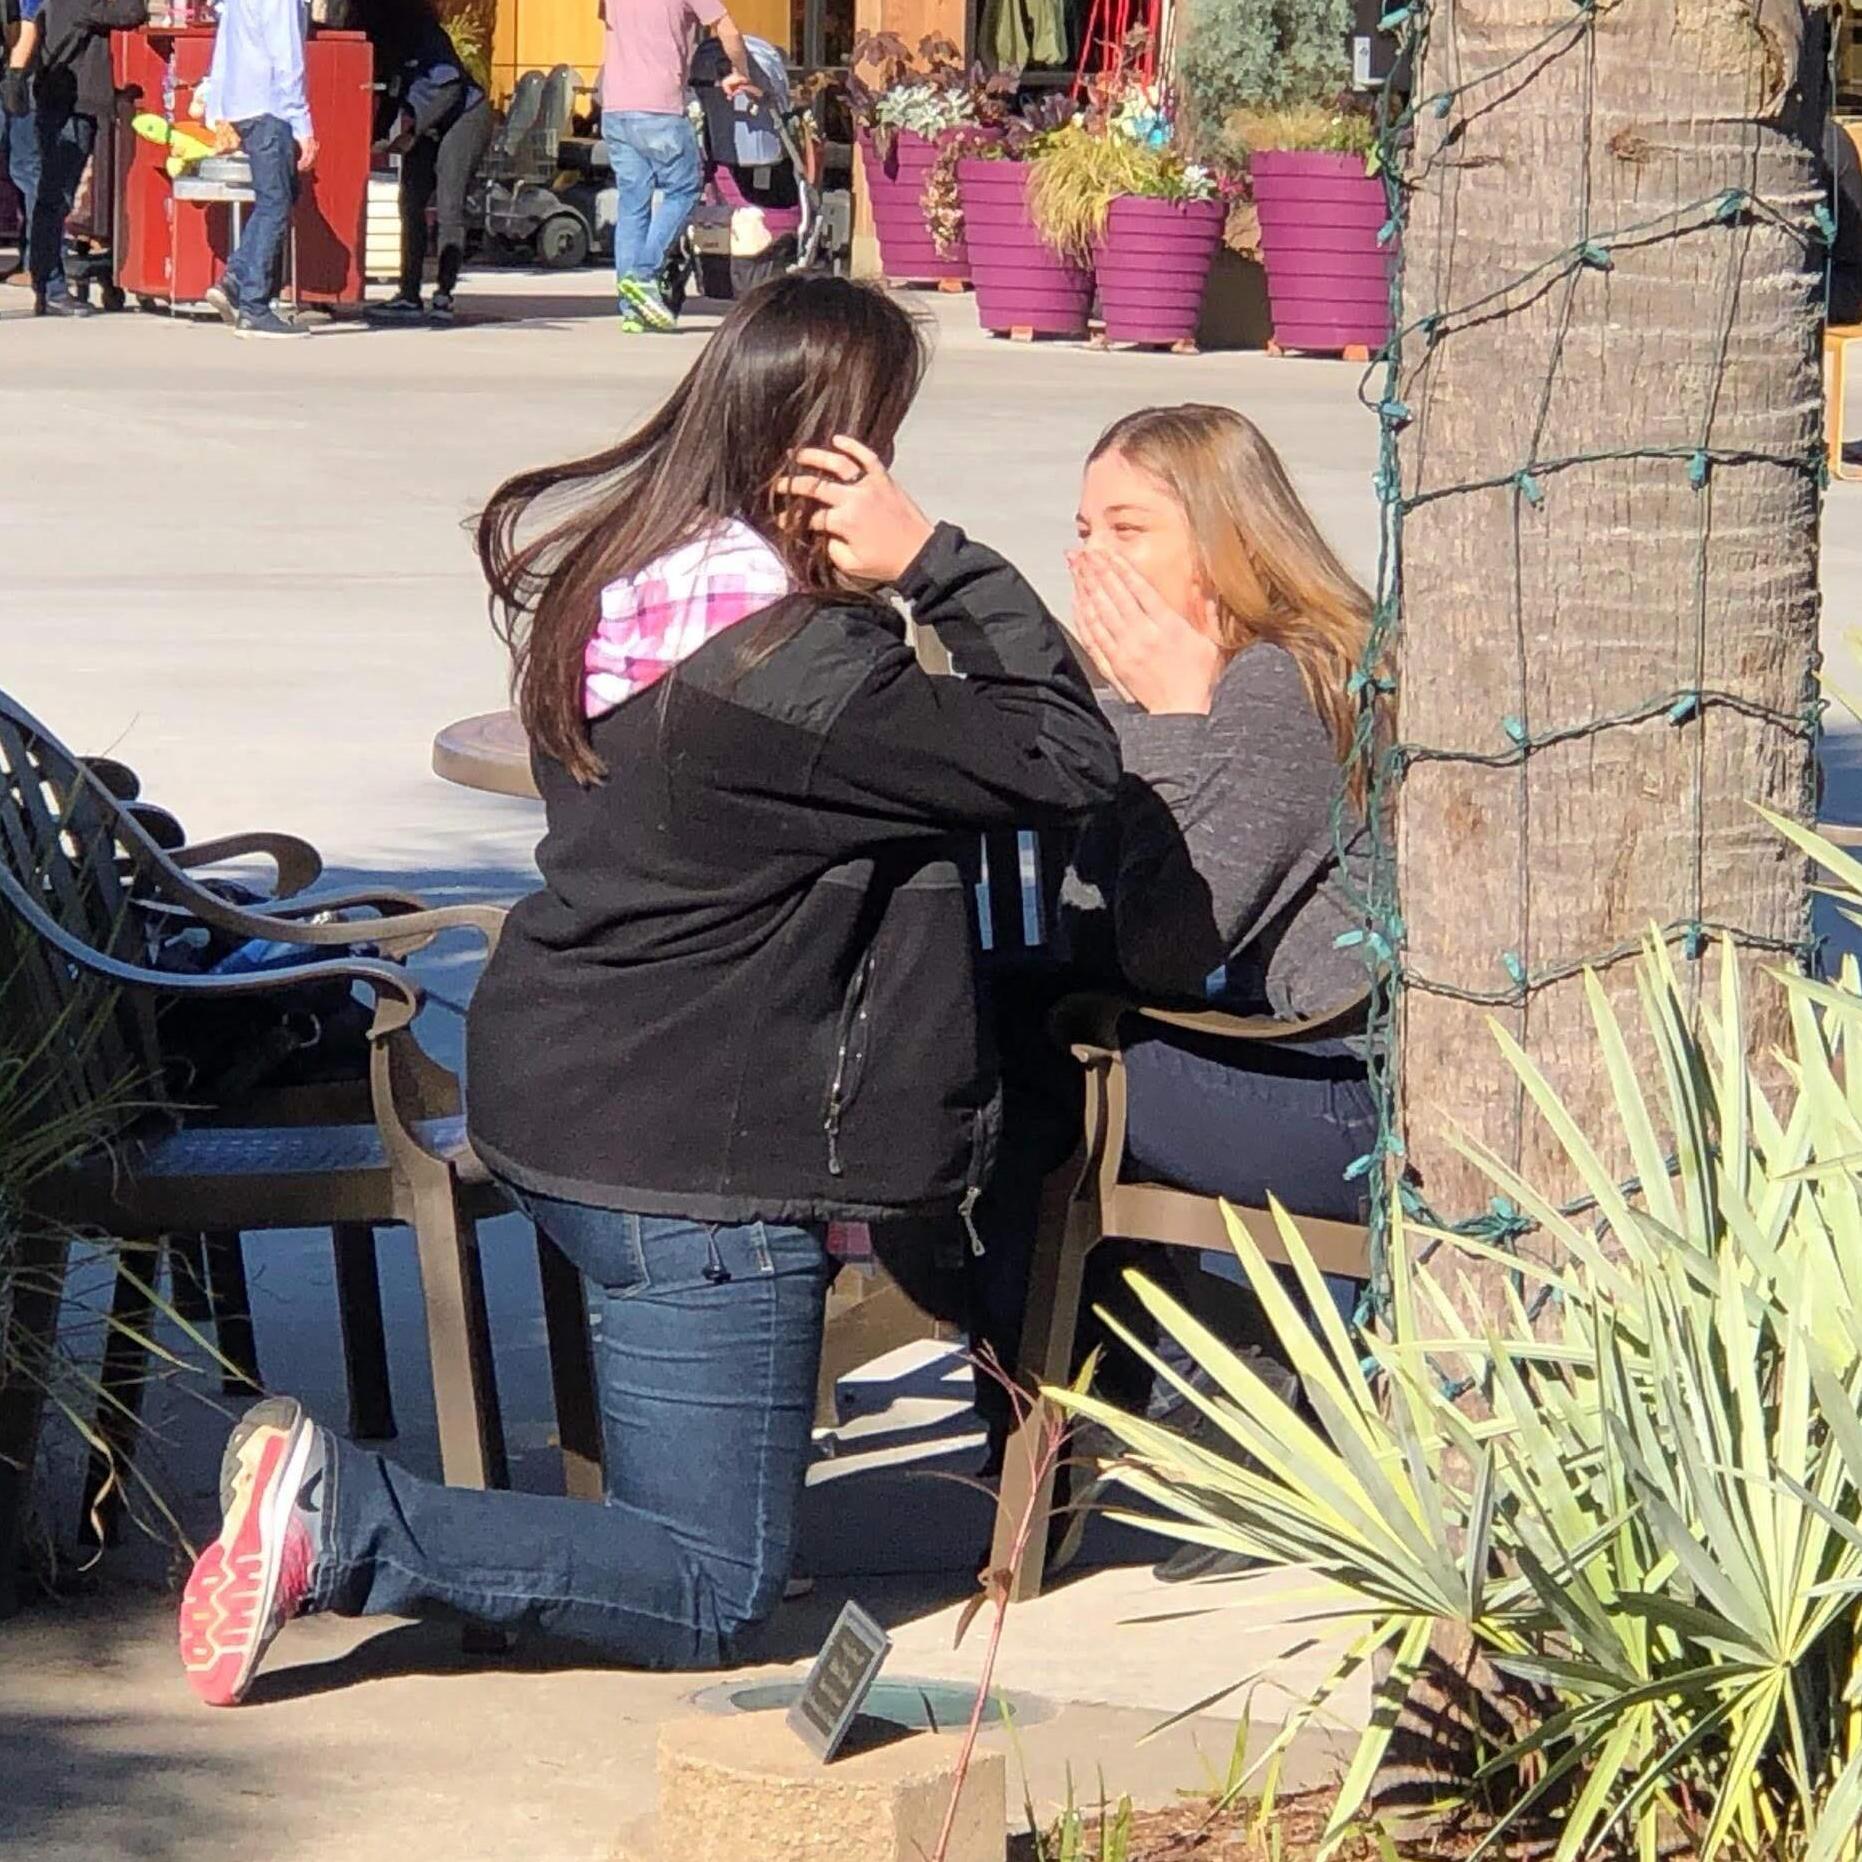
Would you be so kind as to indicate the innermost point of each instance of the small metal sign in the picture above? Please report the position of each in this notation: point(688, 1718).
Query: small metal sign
point(838, 1684)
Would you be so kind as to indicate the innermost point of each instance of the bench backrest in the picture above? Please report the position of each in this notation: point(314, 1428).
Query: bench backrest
point(84, 1045)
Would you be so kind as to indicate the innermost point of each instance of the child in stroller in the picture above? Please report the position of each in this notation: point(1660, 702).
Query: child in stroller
point(760, 214)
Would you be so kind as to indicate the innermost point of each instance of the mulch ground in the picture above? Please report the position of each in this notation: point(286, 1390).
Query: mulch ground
point(1191, 1832)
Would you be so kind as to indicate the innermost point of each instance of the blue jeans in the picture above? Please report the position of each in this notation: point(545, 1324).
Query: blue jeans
point(707, 1341)
point(19, 155)
point(650, 150)
point(271, 150)
point(64, 143)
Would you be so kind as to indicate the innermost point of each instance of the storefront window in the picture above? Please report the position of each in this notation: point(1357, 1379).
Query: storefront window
point(821, 32)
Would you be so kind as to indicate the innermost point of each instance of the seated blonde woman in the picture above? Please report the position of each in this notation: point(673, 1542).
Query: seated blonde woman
point(1221, 876)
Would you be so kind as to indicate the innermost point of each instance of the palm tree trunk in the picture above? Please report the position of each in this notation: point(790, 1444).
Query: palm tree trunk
point(1573, 588)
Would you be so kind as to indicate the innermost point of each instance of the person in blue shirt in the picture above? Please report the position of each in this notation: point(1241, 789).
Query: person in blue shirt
point(438, 120)
point(19, 135)
point(256, 84)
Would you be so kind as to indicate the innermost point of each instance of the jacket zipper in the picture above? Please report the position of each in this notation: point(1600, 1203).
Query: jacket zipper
point(967, 1210)
point(851, 1016)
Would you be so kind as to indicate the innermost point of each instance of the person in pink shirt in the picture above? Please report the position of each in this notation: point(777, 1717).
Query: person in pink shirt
point(651, 143)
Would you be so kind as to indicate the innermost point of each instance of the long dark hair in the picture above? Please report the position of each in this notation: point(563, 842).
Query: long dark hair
point(797, 361)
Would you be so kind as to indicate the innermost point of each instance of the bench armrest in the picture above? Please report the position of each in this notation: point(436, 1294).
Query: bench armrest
point(1093, 1022)
point(397, 995)
point(298, 863)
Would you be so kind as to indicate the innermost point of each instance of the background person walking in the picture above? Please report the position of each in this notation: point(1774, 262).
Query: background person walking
point(256, 84)
point(438, 121)
point(19, 134)
point(73, 91)
point(651, 143)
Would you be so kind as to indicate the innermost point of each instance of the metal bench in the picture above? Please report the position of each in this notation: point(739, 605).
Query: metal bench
point(78, 1000)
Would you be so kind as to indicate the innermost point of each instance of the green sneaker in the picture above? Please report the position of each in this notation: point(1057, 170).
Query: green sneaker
point(632, 326)
point(646, 303)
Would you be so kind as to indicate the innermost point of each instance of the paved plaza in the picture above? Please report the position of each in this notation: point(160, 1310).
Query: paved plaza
point(246, 570)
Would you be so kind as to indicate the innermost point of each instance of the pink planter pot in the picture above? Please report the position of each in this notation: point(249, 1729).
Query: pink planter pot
point(1020, 284)
point(1328, 279)
point(895, 184)
point(1153, 266)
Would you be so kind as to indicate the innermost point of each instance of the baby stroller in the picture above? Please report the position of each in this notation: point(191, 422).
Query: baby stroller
point(760, 215)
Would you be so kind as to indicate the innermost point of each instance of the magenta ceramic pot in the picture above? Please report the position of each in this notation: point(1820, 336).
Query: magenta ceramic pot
point(1328, 280)
point(1152, 265)
point(895, 184)
point(1020, 283)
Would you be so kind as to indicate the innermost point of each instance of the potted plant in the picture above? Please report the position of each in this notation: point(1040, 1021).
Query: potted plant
point(906, 105)
point(1024, 286)
point(1321, 208)
point(1116, 187)
point(1266, 82)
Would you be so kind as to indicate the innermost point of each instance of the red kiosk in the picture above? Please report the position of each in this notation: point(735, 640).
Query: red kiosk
point(170, 252)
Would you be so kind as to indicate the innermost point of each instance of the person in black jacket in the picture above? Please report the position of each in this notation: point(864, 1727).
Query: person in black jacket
point(438, 121)
point(19, 133)
point(742, 1007)
point(74, 91)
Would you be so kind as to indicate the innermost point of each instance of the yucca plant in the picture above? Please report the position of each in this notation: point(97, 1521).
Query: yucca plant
point(1649, 1519)
point(41, 1130)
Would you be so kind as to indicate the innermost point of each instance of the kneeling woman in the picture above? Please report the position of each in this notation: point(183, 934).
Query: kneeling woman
point(742, 1004)
point(1221, 876)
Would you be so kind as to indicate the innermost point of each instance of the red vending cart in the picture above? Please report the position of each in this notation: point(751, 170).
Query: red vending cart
point(163, 258)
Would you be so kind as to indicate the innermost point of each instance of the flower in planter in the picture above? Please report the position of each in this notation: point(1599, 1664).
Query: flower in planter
point(1081, 170)
point(892, 88)
point(999, 135)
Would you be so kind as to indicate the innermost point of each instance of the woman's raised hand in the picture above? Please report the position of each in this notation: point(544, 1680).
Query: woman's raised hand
point(1153, 655)
point(873, 528)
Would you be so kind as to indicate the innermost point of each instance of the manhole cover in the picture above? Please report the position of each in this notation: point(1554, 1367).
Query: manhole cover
point(935, 1706)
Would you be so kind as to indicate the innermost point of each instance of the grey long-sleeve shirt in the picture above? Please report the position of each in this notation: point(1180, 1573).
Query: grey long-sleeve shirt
point(1218, 860)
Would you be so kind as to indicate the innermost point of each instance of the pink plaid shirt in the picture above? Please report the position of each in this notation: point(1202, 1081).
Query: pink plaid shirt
point(654, 619)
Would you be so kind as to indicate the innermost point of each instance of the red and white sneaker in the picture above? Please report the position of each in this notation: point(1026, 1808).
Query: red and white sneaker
point(255, 1576)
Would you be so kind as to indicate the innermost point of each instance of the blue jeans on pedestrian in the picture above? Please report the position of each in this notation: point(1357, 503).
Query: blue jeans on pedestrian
point(271, 151)
point(707, 1342)
point(19, 155)
point(65, 140)
point(650, 150)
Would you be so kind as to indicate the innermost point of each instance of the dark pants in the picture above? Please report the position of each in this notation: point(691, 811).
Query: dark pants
point(19, 154)
point(271, 150)
point(65, 140)
point(707, 1343)
point(1289, 1124)
point(438, 170)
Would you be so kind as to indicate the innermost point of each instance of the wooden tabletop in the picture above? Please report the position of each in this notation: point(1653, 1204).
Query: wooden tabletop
point(489, 752)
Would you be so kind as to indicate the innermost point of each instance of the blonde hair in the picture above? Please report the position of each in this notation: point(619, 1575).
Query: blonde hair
point(1272, 575)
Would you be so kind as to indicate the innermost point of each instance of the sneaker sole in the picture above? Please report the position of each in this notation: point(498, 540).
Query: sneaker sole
point(222, 305)
point(271, 336)
point(233, 1588)
point(654, 316)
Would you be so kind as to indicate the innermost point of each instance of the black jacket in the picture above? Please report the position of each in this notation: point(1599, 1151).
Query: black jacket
point(748, 987)
point(74, 74)
point(421, 75)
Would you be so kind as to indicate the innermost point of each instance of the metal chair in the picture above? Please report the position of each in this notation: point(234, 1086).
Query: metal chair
point(1101, 1203)
point(75, 872)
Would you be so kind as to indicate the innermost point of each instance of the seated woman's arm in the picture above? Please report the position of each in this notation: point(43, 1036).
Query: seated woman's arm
point(1217, 823)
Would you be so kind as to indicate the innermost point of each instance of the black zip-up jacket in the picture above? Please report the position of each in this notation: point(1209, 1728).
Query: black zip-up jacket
point(74, 75)
point(421, 75)
point(748, 987)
